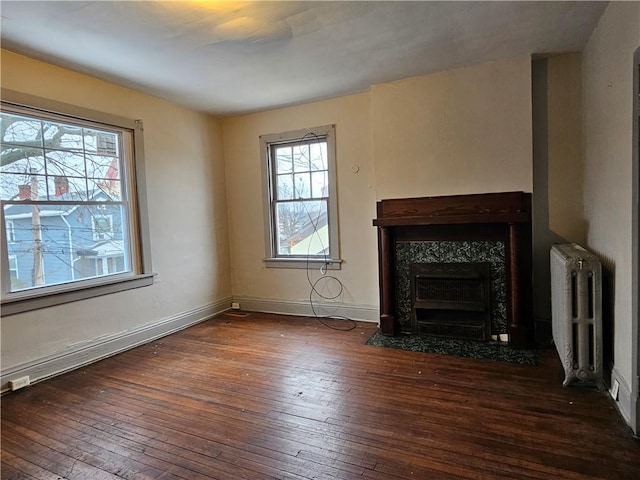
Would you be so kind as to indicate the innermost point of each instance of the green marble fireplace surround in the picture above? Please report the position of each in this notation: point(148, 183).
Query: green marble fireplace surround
point(492, 252)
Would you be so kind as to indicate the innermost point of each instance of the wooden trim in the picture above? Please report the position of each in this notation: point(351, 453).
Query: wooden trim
point(624, 403)
point(635, 249)
point(73, 292)
point(386, 247)
point(56, 364)
point(454, 219)
point(507, 207)
point(367, 313)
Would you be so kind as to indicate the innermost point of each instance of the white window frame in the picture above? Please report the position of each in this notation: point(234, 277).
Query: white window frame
point(11, 232)
point(272, 258)
point(140, 250)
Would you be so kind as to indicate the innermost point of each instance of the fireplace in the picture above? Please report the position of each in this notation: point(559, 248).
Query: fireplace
point(434, 232)
point(451, 300)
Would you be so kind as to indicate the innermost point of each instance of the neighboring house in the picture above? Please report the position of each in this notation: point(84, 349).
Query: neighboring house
point(78, 241)
point(311, 237)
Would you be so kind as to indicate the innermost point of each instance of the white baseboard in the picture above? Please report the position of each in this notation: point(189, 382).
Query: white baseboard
point(104, 347)
point(624, 403)
point(635, 420)
point(366, 313)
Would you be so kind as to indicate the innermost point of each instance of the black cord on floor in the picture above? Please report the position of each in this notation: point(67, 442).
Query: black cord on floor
point(324, 277)
point(322, 319)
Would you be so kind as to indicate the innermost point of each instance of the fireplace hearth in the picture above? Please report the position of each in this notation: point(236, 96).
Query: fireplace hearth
point(494, 227)
point(451, 299)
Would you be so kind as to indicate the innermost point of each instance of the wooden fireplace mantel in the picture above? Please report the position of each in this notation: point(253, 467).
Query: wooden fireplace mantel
point(504, 216)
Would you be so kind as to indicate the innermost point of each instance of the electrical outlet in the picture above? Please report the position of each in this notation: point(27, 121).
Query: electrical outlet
point(614, 390)
point(19, 383)
point(235, 305)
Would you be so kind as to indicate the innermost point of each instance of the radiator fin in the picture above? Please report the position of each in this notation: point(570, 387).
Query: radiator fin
point(576, 309)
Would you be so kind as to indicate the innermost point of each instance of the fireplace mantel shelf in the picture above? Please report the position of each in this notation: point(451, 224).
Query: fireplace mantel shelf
point(505, 215)
point(449, 219)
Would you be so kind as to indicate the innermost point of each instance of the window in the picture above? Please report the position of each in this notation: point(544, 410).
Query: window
point(300, 198)
point(71, 192)
point(11, 231)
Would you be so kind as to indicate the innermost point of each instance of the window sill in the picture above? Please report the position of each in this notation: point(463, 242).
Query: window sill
point(27, 301)
point(303, 263)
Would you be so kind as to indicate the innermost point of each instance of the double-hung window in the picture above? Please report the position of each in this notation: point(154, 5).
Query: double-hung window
point(300, 198)
point(72, 195)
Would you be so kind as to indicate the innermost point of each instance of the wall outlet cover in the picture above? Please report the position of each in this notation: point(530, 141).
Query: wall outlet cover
point(19, 383)
point(614, 389)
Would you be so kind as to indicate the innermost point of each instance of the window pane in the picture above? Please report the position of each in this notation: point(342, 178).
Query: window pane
point(20, 130)
point(301, 158)
point(318, 155)
point(23, 187)
point(58, 244)
point(101, 143)
point(65, 163)
point(67, 188)
point(17, 159)
point(285, 187)
point(100, 166)
point(18, 163)
point(61, 136)
point(302, 185)
point(302, 228)
point(105, 188)
point(105, 176)
point(320, 184)
point(284, 160)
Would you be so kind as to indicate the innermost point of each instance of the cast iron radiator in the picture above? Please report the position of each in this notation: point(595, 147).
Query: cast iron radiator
point(576, 311)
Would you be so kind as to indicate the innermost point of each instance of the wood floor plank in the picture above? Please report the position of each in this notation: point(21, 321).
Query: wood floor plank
point(19, 469)
point(278, 397)
point(192, 446)
point(127, 457)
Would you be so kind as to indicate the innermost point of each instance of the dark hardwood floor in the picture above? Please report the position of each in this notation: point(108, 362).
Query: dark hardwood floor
point(266, 396)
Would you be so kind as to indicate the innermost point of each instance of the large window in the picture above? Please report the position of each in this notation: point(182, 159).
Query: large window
point(301, 201)
point(71, 193)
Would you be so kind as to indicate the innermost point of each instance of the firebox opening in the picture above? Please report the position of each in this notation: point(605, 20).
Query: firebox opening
point(451, 299)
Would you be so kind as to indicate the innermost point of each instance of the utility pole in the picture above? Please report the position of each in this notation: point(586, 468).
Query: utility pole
point(37, 274)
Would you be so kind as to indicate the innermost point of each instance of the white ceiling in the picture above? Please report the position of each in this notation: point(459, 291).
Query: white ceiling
point(237, 57)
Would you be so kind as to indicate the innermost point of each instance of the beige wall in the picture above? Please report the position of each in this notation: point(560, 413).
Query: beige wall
point(607, 143)
point(565, 167)
point(463, 131)
point(187, 217)
point(460, 131)
point(356, 202)
point(558, 169)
